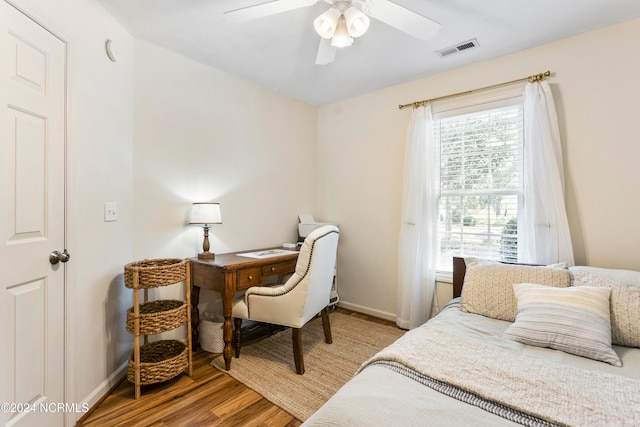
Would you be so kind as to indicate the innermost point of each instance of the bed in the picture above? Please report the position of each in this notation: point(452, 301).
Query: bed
point(518, 345)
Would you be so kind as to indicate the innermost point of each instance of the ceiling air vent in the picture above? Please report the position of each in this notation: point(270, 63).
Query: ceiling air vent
point(457, 48)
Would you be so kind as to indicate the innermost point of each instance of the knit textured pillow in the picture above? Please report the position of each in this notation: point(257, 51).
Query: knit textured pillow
point(488, 286)
point(624, 307)
point(574, 320)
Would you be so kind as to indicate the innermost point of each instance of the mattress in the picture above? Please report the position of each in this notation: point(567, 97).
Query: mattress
point(381, 396)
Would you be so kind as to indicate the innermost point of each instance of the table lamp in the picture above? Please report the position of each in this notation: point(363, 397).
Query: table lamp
point(205, 213)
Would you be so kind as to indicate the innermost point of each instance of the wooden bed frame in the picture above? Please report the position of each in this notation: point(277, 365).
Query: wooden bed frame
point(459, 270)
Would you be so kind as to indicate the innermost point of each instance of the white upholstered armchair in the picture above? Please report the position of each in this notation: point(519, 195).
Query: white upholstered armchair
point(298, 300)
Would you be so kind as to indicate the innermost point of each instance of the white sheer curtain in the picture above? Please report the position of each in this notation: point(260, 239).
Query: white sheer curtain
point(543, 237)
point(418, 239)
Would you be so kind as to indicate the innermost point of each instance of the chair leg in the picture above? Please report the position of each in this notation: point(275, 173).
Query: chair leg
point(326, 325)
point(237, 326)
point(297, 350)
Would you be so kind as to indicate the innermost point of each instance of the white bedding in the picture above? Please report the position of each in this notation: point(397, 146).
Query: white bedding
point(378, 396)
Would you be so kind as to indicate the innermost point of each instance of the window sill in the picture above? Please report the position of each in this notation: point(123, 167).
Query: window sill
point(444, 277)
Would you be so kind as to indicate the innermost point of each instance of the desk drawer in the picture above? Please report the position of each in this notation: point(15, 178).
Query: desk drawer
point(248, 277)
point(280, 268)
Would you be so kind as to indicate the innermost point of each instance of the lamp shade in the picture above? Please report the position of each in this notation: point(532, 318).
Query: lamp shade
point(326, 23)
point(357, 22)
point(205, 213)
point(341, 37)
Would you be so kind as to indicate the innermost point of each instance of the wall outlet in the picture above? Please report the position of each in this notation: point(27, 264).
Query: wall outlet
point(110, 211)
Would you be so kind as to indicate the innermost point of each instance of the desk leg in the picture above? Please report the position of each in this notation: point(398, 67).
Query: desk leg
point(227, 332)
point(195, 317)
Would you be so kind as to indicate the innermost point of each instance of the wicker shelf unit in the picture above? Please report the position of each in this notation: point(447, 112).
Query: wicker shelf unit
point(157, 361)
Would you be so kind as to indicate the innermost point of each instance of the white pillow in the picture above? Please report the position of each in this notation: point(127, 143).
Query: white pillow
point(625, 276)
point(574, 320)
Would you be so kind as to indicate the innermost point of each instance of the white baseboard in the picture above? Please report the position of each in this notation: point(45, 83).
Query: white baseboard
point(366, 310)
point(106, 385)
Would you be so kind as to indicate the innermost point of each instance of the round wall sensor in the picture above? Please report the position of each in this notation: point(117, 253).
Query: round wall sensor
point(113, 52)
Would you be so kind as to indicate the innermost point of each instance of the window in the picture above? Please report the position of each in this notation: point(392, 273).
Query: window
point(480, 180)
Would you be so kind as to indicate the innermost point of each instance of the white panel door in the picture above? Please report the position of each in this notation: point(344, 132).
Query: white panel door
point(32, 202)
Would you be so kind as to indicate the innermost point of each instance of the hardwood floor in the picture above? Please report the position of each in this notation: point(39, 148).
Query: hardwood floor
point(208, 398)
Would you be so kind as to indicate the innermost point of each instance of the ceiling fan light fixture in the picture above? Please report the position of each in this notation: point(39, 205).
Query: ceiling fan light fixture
point(357, 22)
point(341, 38)
point(327, 23)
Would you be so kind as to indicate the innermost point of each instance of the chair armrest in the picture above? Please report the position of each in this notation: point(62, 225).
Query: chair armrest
point(264, 290)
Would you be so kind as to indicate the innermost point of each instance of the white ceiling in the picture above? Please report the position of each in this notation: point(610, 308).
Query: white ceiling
point(278, 52)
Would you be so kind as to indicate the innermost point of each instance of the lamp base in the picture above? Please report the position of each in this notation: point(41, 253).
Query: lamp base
point(206, 255)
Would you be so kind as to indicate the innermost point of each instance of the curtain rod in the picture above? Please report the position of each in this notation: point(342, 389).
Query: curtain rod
point(534, 78)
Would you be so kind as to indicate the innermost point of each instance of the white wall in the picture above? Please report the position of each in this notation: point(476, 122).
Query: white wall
point(361, 143)
point(204, 135)
point(200, 134)
point(99, 169)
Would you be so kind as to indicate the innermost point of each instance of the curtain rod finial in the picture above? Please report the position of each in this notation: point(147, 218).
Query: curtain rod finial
point(539, 77)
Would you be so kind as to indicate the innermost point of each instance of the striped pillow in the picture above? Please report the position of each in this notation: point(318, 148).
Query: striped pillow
point(574, 320)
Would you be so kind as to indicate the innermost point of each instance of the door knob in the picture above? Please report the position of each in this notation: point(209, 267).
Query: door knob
point(56, 257)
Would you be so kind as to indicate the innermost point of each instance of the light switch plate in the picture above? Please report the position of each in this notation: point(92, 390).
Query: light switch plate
point(110, 211)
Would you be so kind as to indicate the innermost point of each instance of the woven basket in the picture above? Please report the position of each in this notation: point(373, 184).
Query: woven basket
point(158, 316)
point(159, 361)
point(153, 273)
point(211, 335)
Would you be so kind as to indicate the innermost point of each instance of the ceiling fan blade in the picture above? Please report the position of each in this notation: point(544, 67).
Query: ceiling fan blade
point(401, 18)
point(261, 10)
point(326, 52)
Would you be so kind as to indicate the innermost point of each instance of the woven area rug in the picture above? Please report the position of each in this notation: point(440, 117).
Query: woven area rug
point(267, 366)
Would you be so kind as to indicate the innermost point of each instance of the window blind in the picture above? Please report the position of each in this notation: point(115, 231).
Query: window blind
point(480, 176)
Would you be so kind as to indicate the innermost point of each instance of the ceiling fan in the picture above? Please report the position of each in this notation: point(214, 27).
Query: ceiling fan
point(343, 21)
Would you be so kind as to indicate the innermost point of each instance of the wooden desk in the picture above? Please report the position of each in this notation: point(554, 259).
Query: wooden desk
point(227, 274)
